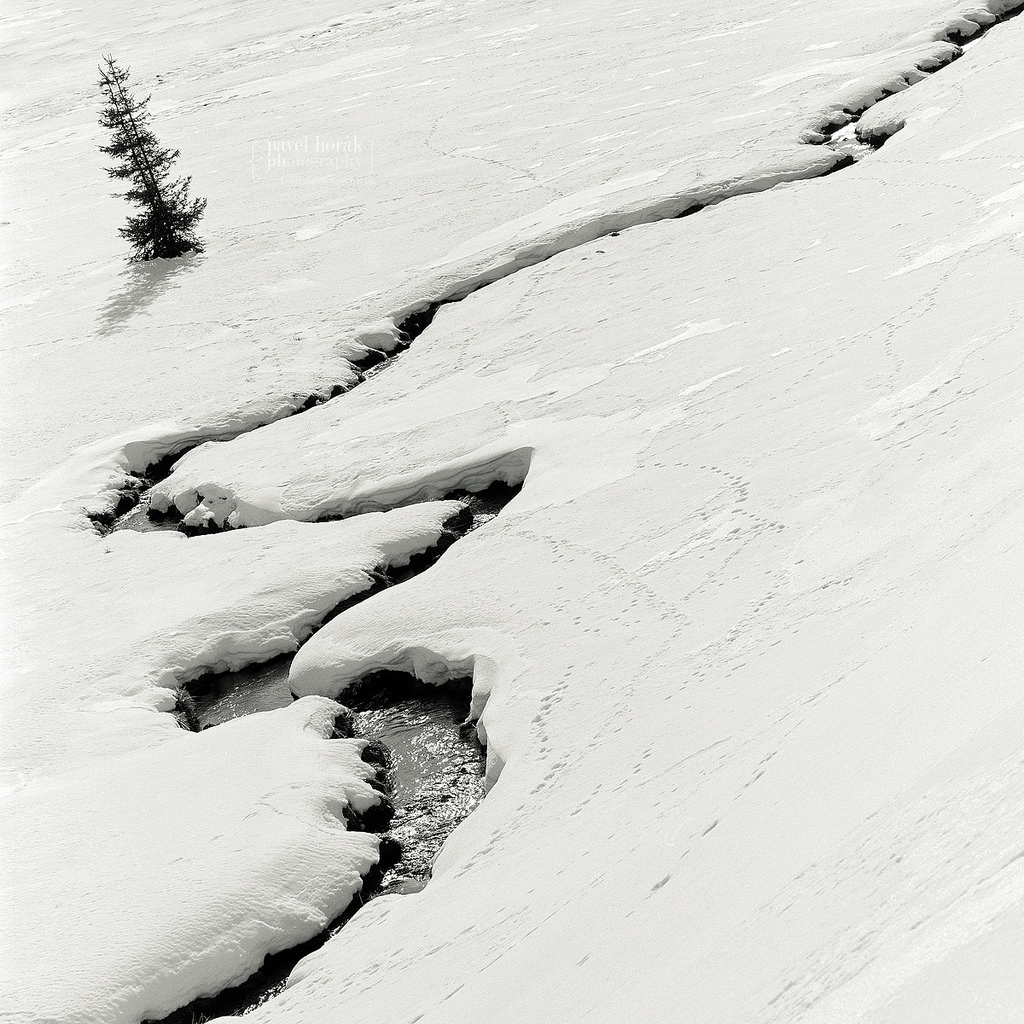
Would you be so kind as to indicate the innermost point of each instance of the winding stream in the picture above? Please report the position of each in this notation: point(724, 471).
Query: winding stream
point(430, 765)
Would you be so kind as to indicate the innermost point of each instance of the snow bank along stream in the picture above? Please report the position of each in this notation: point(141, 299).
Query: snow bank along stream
point(855, 124)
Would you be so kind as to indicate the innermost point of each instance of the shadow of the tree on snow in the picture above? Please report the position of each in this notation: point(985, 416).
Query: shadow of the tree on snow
point(143, 283)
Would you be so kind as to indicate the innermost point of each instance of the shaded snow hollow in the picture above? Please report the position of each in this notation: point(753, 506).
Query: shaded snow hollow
point(744, 648)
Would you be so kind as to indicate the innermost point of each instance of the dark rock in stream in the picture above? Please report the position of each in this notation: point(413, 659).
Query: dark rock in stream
point(185, 711)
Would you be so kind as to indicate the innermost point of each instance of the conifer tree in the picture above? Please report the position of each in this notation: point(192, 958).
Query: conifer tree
point(165, 228)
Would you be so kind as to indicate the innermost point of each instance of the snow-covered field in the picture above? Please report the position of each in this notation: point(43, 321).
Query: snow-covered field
point(746, 647)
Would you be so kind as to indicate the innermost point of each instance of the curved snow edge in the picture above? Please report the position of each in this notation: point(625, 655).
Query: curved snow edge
point(218, 506)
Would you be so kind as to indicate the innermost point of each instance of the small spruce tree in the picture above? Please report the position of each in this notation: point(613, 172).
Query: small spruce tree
point(165, 228)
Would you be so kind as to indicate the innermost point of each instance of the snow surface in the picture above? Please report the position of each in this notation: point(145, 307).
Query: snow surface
point(745, 647)
point(659, 93)
point(166, 894)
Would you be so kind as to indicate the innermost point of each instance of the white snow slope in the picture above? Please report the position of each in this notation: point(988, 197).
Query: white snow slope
point(746, 646)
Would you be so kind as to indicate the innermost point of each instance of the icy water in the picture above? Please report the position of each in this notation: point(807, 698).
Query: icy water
point(434, 777)
point(436, 768)
point(435, 774)
point(226, 695)
point(482, 507)
point(141, 520)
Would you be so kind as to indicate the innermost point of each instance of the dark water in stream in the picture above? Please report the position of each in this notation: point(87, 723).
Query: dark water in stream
point(431, 766)
point(436, 767)
point(227, 695)
point(142, 520)
point(433, 775)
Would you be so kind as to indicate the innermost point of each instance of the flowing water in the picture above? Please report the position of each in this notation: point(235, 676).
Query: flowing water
point(431, 763)
point(219, 698)
point(141, 520)
point(435, 768)
point(433, 774)
point(436, 765)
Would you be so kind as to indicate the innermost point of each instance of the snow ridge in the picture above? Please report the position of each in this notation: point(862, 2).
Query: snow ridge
point(913, 61)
